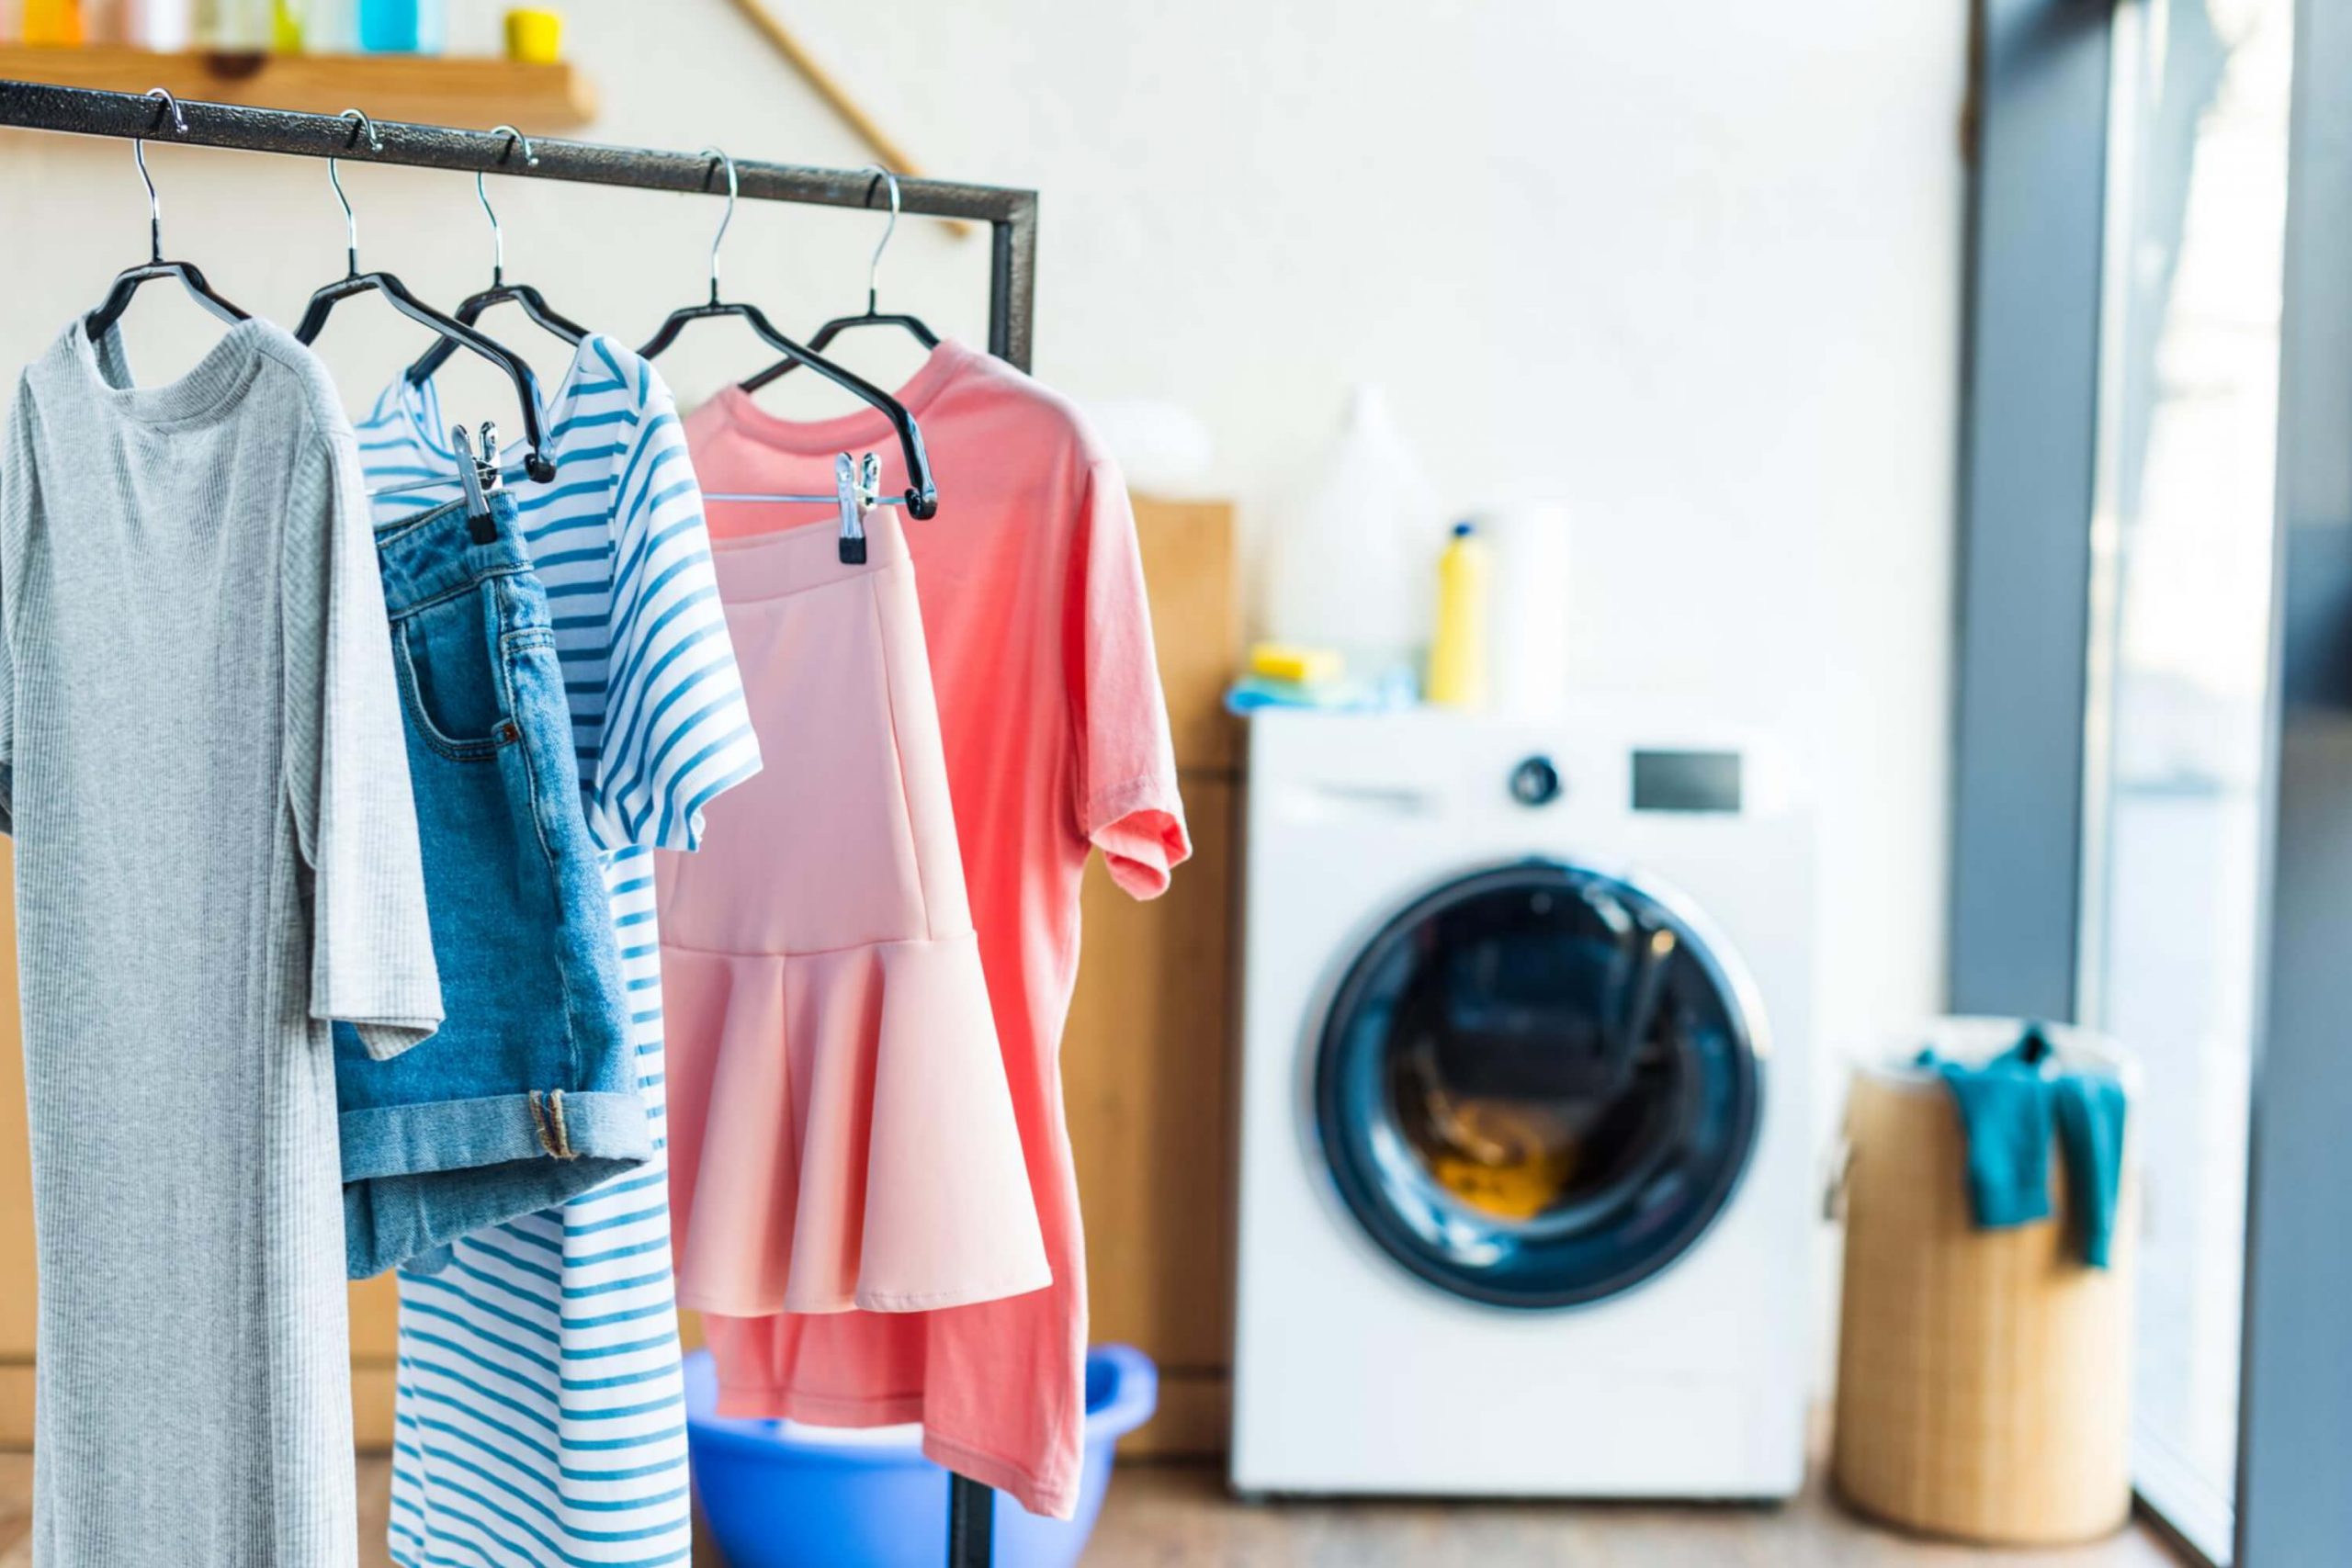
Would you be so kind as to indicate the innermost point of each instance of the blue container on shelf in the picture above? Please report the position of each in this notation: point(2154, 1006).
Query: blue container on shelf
point(402, 26)
point(779, 1495)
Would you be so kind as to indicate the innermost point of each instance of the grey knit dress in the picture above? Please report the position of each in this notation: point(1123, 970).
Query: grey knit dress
point(201, 761)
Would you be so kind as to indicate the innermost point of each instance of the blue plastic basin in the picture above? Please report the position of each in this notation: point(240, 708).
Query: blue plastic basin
point(776, 1494)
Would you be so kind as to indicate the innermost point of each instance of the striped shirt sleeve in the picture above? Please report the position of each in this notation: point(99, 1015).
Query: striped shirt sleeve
point(676, 732)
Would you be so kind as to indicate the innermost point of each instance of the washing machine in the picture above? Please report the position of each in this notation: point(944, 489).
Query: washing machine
point(1525, 1195)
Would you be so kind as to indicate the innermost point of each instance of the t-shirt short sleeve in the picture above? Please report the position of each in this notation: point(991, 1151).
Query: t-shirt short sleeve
point(676, 733)
point(1126, 798)
point(346, 766)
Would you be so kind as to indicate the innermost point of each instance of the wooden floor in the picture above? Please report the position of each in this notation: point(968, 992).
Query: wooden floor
point(1171, 1516)
point(1179, 1517)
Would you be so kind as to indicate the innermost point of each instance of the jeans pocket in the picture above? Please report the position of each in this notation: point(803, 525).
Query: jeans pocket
point(540, 720)
point(449, 679)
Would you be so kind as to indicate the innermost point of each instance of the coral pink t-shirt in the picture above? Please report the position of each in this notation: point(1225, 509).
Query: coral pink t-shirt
point(1057, 742)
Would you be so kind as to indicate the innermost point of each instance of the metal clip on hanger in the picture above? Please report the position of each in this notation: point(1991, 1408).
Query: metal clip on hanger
point(536, 463)
point(534, 303)
point(860, 486)
point(481, 477)
point(923, 496)
point(873, 316)
point(470, 473)
point(126, 283)
point(857, 490)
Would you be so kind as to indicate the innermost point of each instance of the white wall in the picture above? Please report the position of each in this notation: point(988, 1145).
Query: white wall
point(1692, 268)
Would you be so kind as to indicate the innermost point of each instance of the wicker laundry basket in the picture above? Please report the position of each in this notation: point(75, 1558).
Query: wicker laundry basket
point(1984, 1377)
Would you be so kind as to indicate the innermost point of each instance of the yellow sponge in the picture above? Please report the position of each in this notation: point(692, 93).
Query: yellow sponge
point(1286, 662)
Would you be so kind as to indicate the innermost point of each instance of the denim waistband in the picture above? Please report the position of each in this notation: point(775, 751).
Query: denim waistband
point(428, 558)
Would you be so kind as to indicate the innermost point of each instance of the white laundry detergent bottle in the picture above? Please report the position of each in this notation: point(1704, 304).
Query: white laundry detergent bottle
point(1530, 608)
point(1347, 564)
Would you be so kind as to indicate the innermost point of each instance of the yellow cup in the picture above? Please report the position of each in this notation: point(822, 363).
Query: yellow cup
point(534, 36)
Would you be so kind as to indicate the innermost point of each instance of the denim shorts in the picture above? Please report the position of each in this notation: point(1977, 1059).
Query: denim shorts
point(528, 1094)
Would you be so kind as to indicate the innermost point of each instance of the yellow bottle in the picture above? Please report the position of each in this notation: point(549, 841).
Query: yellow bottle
point(53, 22)
point(1458, 651)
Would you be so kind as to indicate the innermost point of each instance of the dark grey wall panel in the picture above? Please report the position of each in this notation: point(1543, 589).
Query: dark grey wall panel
point(2294, 1505)
point(2028, 457)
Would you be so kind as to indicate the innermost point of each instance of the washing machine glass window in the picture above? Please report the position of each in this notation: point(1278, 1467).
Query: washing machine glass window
point(1537, 1085)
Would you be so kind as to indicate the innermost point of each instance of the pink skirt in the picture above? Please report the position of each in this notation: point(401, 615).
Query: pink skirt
point(841, 1135)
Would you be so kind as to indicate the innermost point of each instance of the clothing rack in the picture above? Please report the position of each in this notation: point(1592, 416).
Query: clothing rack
point(1011, 215)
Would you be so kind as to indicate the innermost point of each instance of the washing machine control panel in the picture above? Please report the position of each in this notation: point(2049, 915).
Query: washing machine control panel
point(1682, 781)
point(1535, 782)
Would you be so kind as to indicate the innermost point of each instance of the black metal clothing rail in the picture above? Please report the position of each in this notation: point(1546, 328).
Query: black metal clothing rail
point(1011, 215)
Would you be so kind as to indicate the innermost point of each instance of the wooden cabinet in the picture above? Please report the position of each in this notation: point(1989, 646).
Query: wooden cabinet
point(1147, 1074)
point(1145, 1061)
point(375, 1354)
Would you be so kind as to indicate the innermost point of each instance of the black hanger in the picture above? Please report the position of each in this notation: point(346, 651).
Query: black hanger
point(534, 303)
point(536, 463)
point(913, 325)
point(126, 283)
point(923, 497)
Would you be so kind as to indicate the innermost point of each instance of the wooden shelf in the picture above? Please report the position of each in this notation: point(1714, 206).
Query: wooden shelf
point(473, 92)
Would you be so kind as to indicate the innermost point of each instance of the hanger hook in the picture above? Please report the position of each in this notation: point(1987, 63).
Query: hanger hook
point(334, 179)
point(873, 266)
point(166, 105)
point(497, 235)
point(717, 239)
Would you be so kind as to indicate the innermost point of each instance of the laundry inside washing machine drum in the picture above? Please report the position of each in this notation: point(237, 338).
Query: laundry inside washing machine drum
point(1537, 1086)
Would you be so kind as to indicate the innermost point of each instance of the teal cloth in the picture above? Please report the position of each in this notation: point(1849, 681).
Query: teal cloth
point(2005, 1117)
point(2091, 1109)
point(2010, 1109)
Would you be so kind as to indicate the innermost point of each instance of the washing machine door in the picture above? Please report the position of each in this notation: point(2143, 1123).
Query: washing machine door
point(1538, 1086)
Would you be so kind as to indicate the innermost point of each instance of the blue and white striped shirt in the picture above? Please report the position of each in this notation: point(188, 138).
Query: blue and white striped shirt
point(540, 1417)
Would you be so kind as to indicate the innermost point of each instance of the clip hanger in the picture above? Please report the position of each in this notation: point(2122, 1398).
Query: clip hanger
point(857, 490)
point(536, 460)
point(873, 316)
point(127, 282)
point(921, 496)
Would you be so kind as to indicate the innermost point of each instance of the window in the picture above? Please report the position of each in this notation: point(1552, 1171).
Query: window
point(2177, 672)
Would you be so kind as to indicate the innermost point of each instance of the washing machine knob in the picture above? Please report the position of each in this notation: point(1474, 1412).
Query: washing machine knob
point(1535, 782)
